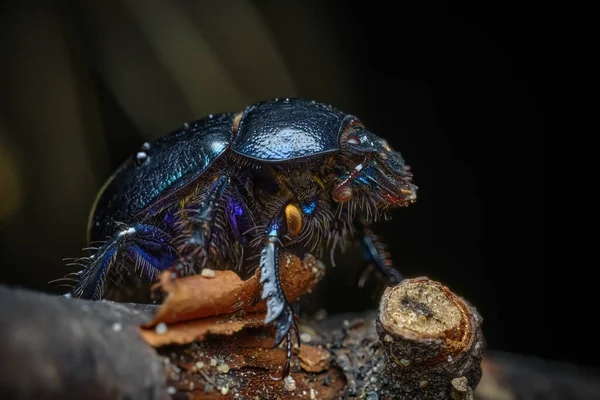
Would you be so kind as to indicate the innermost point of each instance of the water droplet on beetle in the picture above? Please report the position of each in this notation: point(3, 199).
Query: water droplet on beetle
point(141, 157)
point(210, 115)
point(145, 146)
point(186, 125)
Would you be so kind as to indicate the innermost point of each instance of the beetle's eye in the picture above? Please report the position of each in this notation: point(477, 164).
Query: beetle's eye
point(342, 194)
point(352, 139)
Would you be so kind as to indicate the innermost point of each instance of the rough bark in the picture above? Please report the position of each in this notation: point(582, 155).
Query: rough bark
point(57, 348)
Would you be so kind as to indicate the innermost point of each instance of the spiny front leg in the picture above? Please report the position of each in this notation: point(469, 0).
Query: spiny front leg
point(279, 309)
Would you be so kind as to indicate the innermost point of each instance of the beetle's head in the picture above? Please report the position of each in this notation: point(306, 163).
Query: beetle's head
point(371, 173)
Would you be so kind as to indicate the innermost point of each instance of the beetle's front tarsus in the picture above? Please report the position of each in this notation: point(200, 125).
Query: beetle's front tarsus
point(375, 254)
point(286, 366)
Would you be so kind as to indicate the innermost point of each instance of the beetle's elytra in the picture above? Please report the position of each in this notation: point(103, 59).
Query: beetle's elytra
point(238, 188)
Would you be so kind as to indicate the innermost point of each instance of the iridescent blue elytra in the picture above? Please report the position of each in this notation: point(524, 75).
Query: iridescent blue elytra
point(233, 190)
point(171, 163)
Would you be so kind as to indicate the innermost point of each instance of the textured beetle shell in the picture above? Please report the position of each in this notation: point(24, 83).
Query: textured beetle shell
point(235, 189)
point(174, 161)
point(265, 132)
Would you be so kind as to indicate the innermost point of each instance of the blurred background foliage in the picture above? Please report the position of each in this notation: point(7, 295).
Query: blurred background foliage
point(466, 100)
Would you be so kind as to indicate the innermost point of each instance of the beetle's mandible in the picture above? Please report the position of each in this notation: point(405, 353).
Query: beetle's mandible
point(238, 188)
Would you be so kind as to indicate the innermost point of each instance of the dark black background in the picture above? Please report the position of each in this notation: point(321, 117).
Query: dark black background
point(492, 109)
point(500, 140)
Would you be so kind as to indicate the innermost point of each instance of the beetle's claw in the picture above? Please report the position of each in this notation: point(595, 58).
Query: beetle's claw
point(177, 270)
point(284, 324)
point(184, 264)
point(393, 276)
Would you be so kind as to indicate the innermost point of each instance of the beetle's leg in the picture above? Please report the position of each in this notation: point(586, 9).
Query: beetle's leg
point(278, 307)
point(375, 254)
point(146, 244)
point(202, 220)
point(240, 220)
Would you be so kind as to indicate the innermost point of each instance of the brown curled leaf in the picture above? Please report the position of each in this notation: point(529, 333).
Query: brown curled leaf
point(196, 296)
point(197, 306)
point(313, 359)
point(191, 331)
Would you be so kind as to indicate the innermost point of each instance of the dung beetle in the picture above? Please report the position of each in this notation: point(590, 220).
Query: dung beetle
point(238, 188)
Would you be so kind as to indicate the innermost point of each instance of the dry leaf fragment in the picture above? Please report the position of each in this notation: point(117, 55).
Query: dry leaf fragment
point(195, 306)
point(195, 297)
point(313, 359)
point(191, 331)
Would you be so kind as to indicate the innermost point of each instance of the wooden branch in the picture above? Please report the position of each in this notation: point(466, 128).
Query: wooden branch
point(53, 347)
point(432, 339)
point(57, 348)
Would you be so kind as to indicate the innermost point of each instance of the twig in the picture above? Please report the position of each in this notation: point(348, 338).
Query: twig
point(433, 341)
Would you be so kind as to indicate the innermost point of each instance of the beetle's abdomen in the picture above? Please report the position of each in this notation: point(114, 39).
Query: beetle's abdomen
point(288, 129)
point(158, 171)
